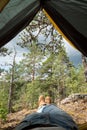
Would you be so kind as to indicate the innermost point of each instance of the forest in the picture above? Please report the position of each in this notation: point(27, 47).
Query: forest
point(44, 69)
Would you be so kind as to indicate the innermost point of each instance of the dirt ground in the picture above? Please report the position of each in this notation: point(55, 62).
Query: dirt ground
point(77, 109)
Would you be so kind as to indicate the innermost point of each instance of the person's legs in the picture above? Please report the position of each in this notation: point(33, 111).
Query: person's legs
point(50, 116)
point(41, 104)
point(59, 117)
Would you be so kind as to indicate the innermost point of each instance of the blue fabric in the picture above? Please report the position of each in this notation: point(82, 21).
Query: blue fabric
point(40, 109)
point(60, 117)
point(50, 116)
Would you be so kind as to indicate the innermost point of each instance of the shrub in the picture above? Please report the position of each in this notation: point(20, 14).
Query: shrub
point(3, 113)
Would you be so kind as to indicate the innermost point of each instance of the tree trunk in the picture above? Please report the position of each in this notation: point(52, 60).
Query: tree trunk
point(11, 89)
point(10, 98)
point(84, 61)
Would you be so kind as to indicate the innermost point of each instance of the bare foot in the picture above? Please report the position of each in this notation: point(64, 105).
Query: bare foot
point(48, 100)
point(41, 100)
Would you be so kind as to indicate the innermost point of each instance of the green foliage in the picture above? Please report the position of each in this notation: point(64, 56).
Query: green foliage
point(32, 94)
point(44, 69)
point(3, 93)
point(54, 76)
point(76, 80)
point(3, 100)
point(3, 113)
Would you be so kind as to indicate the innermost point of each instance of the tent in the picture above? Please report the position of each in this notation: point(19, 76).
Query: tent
point(69, 17)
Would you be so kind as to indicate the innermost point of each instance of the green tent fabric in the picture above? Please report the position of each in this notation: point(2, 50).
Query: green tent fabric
point(16, 15)
point(69, 15)
point(71, 18)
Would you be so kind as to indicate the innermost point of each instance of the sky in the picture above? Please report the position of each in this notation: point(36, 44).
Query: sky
point(8, 59)
point(74, 55)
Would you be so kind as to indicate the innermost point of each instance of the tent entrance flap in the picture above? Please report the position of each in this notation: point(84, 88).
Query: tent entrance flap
point(71, 17)
point(15, 17)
